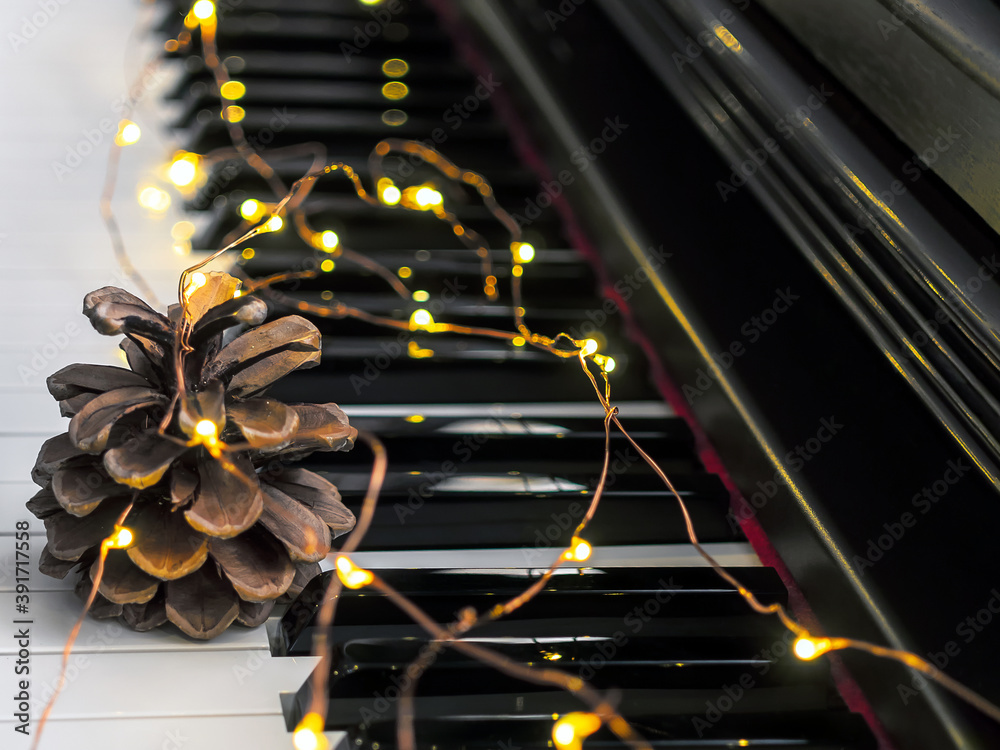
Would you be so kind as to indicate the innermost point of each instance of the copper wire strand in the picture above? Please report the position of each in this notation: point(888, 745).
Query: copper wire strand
point(324, 620)
point(469, 620)
point(108, 191)
point(539, 676)
point(75, 631)
point(907, 658)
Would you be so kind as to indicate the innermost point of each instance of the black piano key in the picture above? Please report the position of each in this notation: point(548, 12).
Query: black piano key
point(805, 730)
point(696, 600)
point(413, 513)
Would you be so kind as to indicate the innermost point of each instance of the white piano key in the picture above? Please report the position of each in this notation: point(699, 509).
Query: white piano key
point(194, 682)
point(54, 612)
point(729, 554)
point(13, 496)
point(176, 733)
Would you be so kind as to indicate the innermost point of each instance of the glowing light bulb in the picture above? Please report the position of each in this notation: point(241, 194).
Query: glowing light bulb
point(329, 240)
point(351, 575)
point(570, 731)
point(421, 319)
point(206, 428)
point(274, 224)
point(308, 734)
point(808, 648)
point(203, 10)
point(579, 550)
point(128, 133)
point(252, 209)
point(395, 68)
point(233, 113)
point(391, 195)
point(421, 295)
point(233, 90)
point(427, 197)
point(120, 539)
point(524, 252)
point(610, 364)
point(154, 199)
point(183, 169)
point(589, 347)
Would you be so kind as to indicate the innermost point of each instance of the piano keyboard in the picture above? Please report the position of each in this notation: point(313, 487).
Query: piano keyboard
point(493, 449)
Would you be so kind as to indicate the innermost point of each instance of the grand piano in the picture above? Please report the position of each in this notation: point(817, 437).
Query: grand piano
point(779, 220)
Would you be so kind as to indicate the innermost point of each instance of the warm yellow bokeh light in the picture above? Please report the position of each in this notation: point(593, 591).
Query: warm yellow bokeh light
point(308, 734)
point(203, 10)
point(120, 539)
point(329, 240)
point(206, 428)
point(233, 90)
point(421, 319)
point(579, 550)
point(395, 90)
point(233, 113)
point(327, 265)
point(128, 133)
point(428, 197)
point(154, 199)
point(252, 209)
point(421, 295)
point(404, 272)
point(570, 731)
point(183, 169)
point(524, 252)
point(391, 195)
point(395, 68)
point(351, 575)
point(182, 230)
point(808, 648)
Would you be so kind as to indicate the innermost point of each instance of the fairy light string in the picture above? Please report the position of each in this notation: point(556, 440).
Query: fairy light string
point(569, 730)
point(120, 538)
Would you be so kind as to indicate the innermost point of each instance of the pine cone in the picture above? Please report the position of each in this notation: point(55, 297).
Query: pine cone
point(218, 537)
